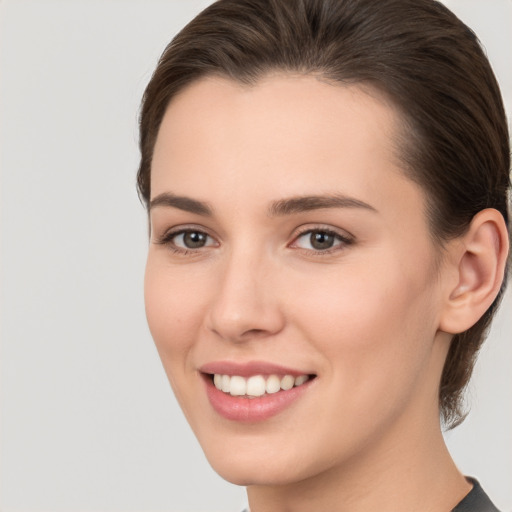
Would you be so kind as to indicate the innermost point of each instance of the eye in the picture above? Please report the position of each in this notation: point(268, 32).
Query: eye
point(185, 240)
point(320, 240)
point(191, 239)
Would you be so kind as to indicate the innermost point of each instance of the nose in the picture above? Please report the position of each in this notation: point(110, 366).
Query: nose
point(246, 305)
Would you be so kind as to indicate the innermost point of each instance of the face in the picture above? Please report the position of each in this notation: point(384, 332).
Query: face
point(290, 265)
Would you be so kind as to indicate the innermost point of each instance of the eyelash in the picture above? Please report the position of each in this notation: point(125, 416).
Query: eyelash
point(168, 239)
point(344, 240)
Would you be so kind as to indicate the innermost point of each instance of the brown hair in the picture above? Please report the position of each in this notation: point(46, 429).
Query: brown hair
point(418, 53)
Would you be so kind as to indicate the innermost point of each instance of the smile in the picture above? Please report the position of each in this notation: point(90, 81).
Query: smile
point(256, 385)
point(254, 391)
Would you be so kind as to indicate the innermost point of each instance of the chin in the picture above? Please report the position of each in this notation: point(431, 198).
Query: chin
point(246, 473)
point(246, 462)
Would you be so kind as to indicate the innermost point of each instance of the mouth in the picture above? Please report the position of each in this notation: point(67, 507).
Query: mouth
point(253, 392)
point(257, 385)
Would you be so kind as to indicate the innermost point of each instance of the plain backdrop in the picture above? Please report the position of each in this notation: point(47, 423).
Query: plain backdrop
point(88, 421)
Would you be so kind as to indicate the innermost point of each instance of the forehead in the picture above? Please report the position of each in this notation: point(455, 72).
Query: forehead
point(294, 118)
point(302, 104)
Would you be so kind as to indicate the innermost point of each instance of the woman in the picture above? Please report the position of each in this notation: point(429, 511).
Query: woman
point(326, 182)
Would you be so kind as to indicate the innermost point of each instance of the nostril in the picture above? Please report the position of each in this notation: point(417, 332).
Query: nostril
point(253, 333)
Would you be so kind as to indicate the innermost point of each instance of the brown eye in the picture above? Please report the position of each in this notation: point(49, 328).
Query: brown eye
point(194, 239)
point(321, 240)
point(190, 239)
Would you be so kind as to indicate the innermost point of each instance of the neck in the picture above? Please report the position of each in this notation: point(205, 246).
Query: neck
point(396, 474)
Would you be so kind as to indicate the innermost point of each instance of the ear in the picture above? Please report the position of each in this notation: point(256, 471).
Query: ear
point(479, 258)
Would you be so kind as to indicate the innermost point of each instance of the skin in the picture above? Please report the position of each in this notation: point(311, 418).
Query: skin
point(365, 317)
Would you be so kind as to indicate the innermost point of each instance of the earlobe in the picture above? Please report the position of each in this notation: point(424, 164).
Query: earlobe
point(480, 259)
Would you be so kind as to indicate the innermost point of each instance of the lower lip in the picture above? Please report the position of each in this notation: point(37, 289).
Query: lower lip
point(241, 409)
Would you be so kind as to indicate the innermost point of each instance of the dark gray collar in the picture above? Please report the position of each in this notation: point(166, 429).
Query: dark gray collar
point(476, 500)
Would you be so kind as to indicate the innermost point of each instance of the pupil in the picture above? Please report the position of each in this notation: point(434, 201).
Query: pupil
point(321, 240)
point(193, 239)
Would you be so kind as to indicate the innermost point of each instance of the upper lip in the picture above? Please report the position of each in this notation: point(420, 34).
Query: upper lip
point(249, 368)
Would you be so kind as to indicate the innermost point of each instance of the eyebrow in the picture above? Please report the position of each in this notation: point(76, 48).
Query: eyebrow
point(307, 203)
point(278, 208)
point(186, 204)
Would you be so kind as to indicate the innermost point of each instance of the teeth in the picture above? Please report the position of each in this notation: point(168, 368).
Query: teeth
point(225, 383)
point(257, 385)
point(287, 382)
point(237, 386)
point(273, 384)
point(301, 379)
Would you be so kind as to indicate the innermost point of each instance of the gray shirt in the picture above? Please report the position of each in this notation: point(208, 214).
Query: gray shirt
point(475, 501)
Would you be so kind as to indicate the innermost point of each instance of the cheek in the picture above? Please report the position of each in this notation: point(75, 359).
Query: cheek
point(376, 349)
point(174, 311)
point(174, 308)
point(358, 303)
point(375, 326)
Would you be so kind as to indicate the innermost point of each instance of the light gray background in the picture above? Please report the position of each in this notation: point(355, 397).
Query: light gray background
point(88, 421)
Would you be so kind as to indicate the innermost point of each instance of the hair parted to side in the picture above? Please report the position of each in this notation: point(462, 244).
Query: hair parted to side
point(419, 54)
